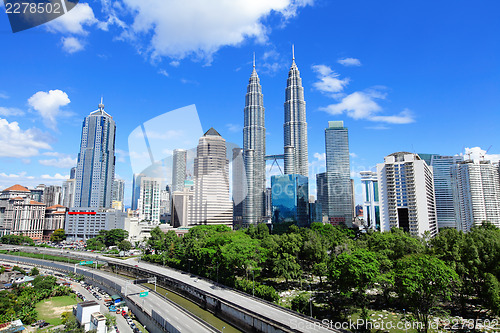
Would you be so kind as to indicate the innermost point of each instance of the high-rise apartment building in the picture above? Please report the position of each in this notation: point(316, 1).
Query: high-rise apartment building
point(52, 195)
point(254, 151)
point(476, 190)
point(95, 170)
point(211, 203)
point(149, 199)
point(371, 207)
point(290, 199)
point(339, 207)
point(118, 190)
point(179, 161)
point(295, 126)
point(406, 188)
point(68, 193)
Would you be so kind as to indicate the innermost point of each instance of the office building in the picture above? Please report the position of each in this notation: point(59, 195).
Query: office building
point(371, 205)
point(476, 191)
point(95, 170)
point(52, 195)
point(238, 182)
point(322, 192)
point(406, 188)
point(339, 206)
point(84, 223)
point(211, 201)
point(136, 189)
point(446, 213)
point(254, 151)
point(37, 193)
point(179, 169)
point(295, 126)
point(290, 199)
point(118, 190)
point(149, 199)
point(68, 193)
point(55, 217)
point(181, 203)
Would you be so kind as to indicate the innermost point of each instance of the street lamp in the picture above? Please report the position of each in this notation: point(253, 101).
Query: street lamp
point(310, 301)
point(253, 285)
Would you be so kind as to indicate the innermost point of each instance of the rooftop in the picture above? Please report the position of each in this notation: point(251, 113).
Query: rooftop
point(16, 187)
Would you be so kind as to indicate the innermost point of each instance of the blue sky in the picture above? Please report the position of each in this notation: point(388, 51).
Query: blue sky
point(414, 76)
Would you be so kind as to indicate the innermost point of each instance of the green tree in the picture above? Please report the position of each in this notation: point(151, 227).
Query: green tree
point(34, 271)
point(95, 244)
point(110, 320)
point(421, 281)
point(300, 303)
point(115, 236)
point(125, 245)
point(285, 265)
point(58, 236)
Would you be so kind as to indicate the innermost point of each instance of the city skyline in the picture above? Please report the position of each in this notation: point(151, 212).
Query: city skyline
point(447, 79)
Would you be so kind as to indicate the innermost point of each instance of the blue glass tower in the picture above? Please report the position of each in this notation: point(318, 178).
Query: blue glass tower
point(290, 199)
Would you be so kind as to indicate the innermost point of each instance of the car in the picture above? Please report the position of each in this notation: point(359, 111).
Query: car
point(136, 265)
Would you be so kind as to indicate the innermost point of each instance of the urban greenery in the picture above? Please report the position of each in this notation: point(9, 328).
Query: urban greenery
point(17, 240)
point(58, 236)
point(20, 302)
point(452, 274)
point(107, 238)
point(40, 256)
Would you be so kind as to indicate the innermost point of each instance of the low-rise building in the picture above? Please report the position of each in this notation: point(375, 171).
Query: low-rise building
point(83, 312)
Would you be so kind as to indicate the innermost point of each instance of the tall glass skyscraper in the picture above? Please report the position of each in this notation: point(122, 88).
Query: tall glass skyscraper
point(295, 127)
point(254, 150)
point(290, 199)
point(95, 169)
point(179, 169)
point(339, 207)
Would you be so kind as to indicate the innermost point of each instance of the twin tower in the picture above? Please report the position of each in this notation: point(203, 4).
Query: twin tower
point(295, 153)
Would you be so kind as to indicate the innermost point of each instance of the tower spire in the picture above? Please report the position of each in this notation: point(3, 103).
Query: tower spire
point(254, 60)
point(293, 52)
point(101, 105)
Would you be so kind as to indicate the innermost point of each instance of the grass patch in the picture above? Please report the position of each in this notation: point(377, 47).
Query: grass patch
point(40, 256)
point(51, 309)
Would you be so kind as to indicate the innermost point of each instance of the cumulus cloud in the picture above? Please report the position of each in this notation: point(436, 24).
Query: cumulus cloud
point(3, 95)
point(10, 112)
point(75, 21)
point(199, 28)
point(329, 81)
point(365, 105)
point(29, 181)
point(48, 105)
point(478, 154)
point(62, 161)
point(175, 63)
point(15, 142)
point(57, 176)
point(349, 62)
point(71, 45)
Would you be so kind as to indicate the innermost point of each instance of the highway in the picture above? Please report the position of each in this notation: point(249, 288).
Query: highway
point(177, 318)
point(297, 322)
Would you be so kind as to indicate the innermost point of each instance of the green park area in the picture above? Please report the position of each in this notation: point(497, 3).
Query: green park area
point(51, 309)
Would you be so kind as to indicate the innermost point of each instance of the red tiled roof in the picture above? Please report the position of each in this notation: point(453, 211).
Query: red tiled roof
point(16, 187)
point(33, 202)
point(17, 198)
point(55, 206)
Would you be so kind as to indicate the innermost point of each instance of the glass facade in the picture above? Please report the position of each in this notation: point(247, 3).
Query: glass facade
point(290, 199)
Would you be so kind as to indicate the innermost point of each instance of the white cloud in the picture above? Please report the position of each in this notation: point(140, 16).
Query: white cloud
point(64, 161)
point(48, 104)
point(175, 63)
point(358, 105)
point(478, 154)
point(353, 155)
point(404, 117)
point(329, 81)
point(71, 45)
point(57, 176)
point(235, 128)
point(364, 105)
point(199, 28)
point(74, 21)
point(349, 62)
point(3, 95)
point(320, 156)
point(163, 72)
point(11, 112)
point(15, 142)
point(120, 155)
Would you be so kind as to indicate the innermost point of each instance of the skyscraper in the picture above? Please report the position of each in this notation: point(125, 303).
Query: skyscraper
point(447, 216)
point(118, 189)
point(179, 169)
point(406, 188)
point(136, 189)
point(290, 199)
point(95, 170)
point(149, 199)
point(338, 174)
point(239, 181)
point(371, 207)
point(254, 150)
point(476, 187)
point(295, 126)
point(211, 203)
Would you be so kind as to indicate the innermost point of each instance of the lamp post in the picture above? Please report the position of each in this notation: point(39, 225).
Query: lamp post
point(253, 285)
point(310, 301)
